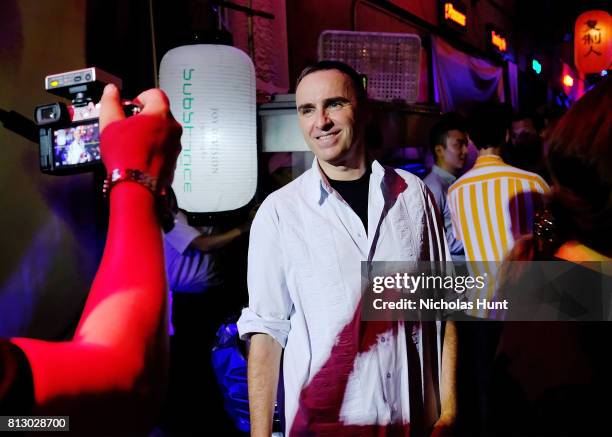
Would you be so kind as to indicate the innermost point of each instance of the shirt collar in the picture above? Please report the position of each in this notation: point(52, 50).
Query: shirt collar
point(449, 178)
point(318, 184)
point(488, 160)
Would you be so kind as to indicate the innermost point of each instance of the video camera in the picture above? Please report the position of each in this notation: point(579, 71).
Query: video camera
point(69, 135)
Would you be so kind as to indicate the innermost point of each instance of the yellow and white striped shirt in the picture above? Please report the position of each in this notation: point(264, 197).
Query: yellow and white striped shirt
point(492, 205)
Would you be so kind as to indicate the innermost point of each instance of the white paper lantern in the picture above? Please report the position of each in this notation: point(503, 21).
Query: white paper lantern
point(212, 94)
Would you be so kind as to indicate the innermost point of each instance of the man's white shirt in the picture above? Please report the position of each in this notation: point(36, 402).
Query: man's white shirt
point(304, 278)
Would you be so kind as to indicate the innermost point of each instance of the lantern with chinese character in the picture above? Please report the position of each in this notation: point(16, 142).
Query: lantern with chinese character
point(593, 42)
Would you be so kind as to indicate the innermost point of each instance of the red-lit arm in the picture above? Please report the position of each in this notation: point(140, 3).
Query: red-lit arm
point(118, 353)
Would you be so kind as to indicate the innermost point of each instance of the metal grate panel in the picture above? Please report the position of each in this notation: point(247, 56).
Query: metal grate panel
point(391, 61)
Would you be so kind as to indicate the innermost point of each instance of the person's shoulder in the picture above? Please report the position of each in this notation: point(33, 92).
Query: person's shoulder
point(181, 228)
point(416, 196)
point(431, 177)
point(434, 181)
point(479, 174)
point(406, 175)
point(528, 175)
point(284, 200)
point(491, 173)
point(288, 192)
point(413, 183)
point(461, 180)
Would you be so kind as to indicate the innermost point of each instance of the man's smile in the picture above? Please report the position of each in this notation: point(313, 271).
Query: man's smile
point(327, 137)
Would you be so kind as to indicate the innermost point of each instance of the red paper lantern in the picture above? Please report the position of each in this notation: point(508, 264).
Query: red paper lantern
point(593, 42)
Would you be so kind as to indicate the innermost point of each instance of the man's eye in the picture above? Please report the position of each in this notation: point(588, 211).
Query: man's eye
point(335, 105)
point(307, 111)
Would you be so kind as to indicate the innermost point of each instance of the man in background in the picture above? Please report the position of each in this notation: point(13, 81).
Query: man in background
point(491, 206)
point(493, 203)
point(525, 149)
point(524, 124)
point(448, 142)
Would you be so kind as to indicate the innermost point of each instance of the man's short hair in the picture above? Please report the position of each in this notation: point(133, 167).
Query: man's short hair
point(356, 79)
point(448, 122)
point(488, 123)
point(536, 120)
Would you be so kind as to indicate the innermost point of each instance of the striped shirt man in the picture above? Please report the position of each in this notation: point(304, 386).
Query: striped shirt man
point(492, 205)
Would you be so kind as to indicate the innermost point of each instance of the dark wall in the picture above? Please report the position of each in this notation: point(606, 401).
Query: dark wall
point(119, 35)
point(49, 250)
point(305, 21)
point(118, 40)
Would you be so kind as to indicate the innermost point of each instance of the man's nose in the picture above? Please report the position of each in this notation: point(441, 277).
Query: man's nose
point(323, 121)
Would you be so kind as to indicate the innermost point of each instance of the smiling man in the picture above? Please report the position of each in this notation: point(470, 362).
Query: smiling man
point(342, 374)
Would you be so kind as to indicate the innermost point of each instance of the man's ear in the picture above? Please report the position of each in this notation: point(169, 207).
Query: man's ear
point(438, 152)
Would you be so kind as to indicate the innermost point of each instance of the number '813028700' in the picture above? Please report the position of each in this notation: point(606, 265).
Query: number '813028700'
point(34, 423)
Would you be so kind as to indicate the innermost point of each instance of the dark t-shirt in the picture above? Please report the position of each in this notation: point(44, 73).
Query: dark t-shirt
point(355, 193)
point(16, 383)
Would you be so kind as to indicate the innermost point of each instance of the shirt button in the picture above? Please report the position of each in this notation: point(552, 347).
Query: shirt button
point(383, 339)
point(388, 375)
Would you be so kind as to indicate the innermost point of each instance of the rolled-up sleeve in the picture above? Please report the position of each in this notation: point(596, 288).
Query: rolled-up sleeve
point(269, 302)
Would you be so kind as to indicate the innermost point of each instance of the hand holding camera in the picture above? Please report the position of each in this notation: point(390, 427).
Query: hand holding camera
point(148, 142)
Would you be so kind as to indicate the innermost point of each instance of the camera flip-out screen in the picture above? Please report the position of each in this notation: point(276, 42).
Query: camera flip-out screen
point(76, 145)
